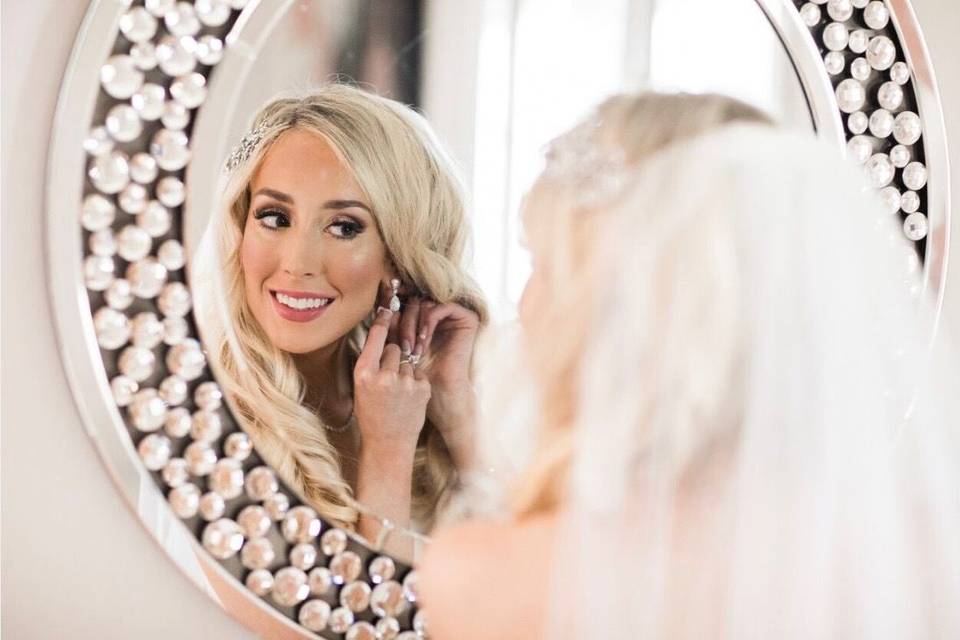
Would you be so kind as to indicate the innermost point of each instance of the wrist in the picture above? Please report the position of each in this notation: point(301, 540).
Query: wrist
point(388, 456)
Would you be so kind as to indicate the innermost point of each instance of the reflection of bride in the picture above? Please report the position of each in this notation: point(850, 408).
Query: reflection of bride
point(739, 332)
point(335, 204)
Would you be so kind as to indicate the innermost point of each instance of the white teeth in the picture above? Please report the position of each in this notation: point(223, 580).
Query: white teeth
point(301, 303)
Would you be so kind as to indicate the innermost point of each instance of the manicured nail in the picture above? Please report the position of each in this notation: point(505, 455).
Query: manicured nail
point(383, 312)
point(405, 347)
point(423, 334)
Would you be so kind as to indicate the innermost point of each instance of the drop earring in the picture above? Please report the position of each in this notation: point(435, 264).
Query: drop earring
point(395, 299)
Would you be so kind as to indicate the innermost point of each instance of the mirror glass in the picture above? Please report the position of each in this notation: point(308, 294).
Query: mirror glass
point(497, 80)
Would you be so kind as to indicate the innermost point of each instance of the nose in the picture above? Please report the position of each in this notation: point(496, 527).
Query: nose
point(301, 256)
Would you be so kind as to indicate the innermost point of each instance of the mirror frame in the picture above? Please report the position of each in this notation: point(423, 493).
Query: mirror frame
point(80, 310)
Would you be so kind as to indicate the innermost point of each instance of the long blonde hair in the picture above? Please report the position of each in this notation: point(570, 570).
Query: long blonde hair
point(568, 243)
point(418, 204)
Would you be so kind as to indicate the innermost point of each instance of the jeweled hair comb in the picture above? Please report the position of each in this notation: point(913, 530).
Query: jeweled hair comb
point(245, 147)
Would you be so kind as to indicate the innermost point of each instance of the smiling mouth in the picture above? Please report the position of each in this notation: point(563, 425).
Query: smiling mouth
point(300, 303)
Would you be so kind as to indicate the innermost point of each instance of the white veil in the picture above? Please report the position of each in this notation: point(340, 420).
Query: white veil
point(743, 466)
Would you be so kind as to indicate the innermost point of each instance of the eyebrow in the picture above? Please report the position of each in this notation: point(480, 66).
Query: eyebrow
point(330, 204)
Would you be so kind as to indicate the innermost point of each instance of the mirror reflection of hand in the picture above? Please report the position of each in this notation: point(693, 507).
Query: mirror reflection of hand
point(390, 398)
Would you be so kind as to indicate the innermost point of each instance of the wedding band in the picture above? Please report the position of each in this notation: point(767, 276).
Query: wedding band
point(408, 360)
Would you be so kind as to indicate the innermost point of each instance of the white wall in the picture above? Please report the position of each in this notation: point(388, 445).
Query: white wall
point(76, 562)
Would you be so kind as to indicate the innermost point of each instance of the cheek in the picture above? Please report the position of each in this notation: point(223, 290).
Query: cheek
point(357, 271)
point(256, 259)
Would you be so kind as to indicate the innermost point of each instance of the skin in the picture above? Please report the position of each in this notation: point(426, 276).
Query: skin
point(310, 229)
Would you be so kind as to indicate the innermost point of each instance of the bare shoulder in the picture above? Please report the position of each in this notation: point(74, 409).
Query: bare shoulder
point(489, 571)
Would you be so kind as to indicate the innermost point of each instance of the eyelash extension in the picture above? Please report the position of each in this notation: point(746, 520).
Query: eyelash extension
point(267, 212)
point(356, 226)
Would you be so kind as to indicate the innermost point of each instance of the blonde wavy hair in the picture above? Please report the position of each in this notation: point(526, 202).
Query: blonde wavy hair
point(417, 200)
point(568, 245)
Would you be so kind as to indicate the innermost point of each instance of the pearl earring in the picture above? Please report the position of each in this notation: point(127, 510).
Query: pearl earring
point(395, 299)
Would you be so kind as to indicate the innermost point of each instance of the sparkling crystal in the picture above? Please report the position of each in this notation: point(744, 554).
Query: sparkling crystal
point(860, 4)
point(257, 553)
point(836, 36)
point(320, 581)
point(175, 330)
point(260, 581)
point(173, 390)
point(261, 484)
point(387, 628)
point(875, 15)
point(149, 101)
point(137, 363)
point(850, 95)
point(290, 587)
point(175, 55)
point(915, 176)
point(186, 359)
point(182, 20)
point(171, 149)
point(144, 55)
point(362, 630)
point(387, 599)
point(900, 73)
point(834, 63)
point(154, 218)
point(123, 123)
point(170, 191)
point(147, 410)
point(147, 330)
point(226, 477)
point(915, 226)
point(159, 8)
point(355, 596)
point(146, 278)
point(222, 538)
point(859, 40)
point(840, 10)
point(411, 586)
point(340, 620)
point(143, 168)
point(123, 388)
point(200, 457)
point(189, 90)
point(185, 500)
point(381, 569)
point(209, 50)
point(175, 116)
point(175, 473)
point(910, 201)
point(333, 542)
point(880, 170)
point(860, 148)
point(254, 521)
point(118, 295)
point(112, 327)
point(860, 69)
point(155, 451)
point(891, 199)
point(208, 396)
point(212, 13)
point(345, 567)
point(102, 243)
point(420, 624)
point(900, 156)
point(177, 422)
point(907, 128)
point(881, 123)
point(133, 198)
point(890, 95)
point(170, 254)
point(881, 53)
point(98, 272)
point(120, 76)
point(110, 172)
point(314, 615)
point(97, 212)
point(238, 446)
point(858, 122)
point(810, 14)
point(301, 524)
point(212, 506)
point(303, 556)
point(174, 300)
point(276, 505)
point(98, 142)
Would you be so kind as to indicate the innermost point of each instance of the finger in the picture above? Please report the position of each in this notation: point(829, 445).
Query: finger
point(369, 358)
point(392, 330)
point(421, 332)
point(433, 317)
point(408, 325)
point(391, 358)
point(406, 367)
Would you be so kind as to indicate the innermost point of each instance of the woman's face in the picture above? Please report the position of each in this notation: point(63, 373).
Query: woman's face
point(311, 253)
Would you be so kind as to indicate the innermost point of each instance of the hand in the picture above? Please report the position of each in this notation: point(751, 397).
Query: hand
point(390, 399)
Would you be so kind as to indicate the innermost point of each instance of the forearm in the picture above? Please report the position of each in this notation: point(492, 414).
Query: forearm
point(384, 484)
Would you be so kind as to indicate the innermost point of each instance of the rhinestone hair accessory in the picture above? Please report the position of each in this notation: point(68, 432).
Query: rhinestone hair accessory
point(578, 160)
point(245, 147)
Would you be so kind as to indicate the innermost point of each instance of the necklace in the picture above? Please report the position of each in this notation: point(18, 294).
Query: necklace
point(344, 427)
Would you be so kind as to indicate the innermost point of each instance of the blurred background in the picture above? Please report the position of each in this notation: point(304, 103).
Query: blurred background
point(497, 78)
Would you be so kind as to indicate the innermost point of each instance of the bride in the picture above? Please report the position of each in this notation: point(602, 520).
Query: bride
point(744, 430)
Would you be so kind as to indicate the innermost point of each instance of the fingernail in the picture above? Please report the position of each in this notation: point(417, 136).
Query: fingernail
point(423, 334)
point(383, 312)
point(405, 347)
point(418, 350)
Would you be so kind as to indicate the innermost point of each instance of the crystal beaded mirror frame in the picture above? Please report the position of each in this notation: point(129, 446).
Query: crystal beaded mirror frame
point(139, 116)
